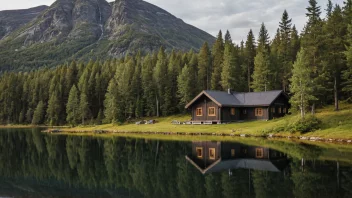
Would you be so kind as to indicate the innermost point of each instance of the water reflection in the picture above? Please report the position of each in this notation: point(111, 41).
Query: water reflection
point(39, 165)
point(211, 157)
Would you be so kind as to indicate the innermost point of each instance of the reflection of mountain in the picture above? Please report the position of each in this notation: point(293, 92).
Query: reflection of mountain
point(210, 157)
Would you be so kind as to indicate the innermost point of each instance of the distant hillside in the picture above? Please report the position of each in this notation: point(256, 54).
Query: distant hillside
point(84, 29)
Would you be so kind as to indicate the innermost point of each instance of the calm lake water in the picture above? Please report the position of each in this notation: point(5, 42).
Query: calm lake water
point(33, 164)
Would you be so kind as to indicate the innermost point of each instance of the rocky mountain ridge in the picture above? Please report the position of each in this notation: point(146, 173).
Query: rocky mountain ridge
point(84, 29)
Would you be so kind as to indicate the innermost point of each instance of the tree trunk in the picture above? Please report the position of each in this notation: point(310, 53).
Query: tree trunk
point(336, 97)
point(313, 109)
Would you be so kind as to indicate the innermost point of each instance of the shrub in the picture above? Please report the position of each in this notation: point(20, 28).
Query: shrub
point(308, 124)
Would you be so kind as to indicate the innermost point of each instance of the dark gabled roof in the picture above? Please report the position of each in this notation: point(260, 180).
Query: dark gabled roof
point(255, 164)
point(238, 99)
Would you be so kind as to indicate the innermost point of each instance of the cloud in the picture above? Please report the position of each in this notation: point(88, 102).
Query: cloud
point(237, 16)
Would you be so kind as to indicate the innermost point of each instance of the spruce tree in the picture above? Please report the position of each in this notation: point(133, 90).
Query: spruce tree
point(335, 33)
point(347, 73)
point(218, 55)
point(285, 50)
point(295, 43)
point(110, 103)
point(148, 86)
point(53, 110)
point(231, 69)
point(204, 68)
point(301, 83)
point(39, 113)
point(185, 86)
point(250, 53)
point(83, 107)
point(328, 10)
point(263, 39)
point(160, 76)
point(72, 107)
point(261, 75)
point(228, 39)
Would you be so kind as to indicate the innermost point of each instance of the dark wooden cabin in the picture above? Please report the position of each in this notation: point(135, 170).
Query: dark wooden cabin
point(209, 157)
point(223, 107)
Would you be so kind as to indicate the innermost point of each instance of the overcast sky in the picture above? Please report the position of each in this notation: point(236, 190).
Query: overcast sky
point(238, 16)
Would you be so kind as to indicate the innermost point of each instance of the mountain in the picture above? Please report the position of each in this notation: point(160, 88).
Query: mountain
point(84, 29)
point(10, 20)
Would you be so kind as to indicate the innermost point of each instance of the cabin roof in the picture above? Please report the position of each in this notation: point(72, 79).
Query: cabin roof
point(240, 99)
point(255, 164)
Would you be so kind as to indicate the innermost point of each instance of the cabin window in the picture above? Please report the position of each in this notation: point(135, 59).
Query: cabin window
point(244, 111)
point(233, 152)
point(212, 153)
point(284, 110)
point(258, 112)
point(259, 153)
point(199, 112)
point(233, 111)
point(199, 151)
point(280, 110)
point(272, 109)
point(211, 111)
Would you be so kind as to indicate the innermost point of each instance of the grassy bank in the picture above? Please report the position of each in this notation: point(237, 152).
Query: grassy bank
point(335, 124)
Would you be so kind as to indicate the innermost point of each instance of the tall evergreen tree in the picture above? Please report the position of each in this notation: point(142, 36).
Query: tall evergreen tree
point(39, 113)
point(285, 50)
point(204, 68)
point(261, 74)
point(301, 83)
point(335, 33)
point(160, 74)
point(347, 73)
point(84, 107)
point(263, 39)
point(250, 53)
point(328, 10)
point(148, 86)
point(231, 69)
point(185, 86)
point(218, 56)
point(72, 107)
point(53, 110)
point(228, 39)
point(110, 103)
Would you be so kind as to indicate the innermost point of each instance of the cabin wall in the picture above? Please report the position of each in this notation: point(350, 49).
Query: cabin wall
point(206, 146)
point(280, 102)
point(204, 103)
point(226, 114)
point(248, 113)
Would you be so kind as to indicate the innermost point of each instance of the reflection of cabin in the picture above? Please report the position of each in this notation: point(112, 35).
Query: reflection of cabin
point(210, 157)
point(219, 106)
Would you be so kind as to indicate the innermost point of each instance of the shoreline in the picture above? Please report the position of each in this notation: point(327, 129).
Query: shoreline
point(193, 134)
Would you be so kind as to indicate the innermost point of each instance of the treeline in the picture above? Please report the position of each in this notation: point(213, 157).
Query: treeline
point(162, 83)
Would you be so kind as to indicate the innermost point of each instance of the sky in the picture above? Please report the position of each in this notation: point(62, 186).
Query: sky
point(237, 16)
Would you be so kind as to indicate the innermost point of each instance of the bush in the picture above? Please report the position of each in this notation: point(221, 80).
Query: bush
point(308, 124)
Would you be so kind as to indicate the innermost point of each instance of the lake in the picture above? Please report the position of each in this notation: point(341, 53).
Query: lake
point(33, 164)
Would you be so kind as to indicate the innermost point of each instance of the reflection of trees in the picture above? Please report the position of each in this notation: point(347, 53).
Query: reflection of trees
point(155, 169)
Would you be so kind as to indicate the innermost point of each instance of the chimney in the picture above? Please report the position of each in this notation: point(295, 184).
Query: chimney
point(229, 91)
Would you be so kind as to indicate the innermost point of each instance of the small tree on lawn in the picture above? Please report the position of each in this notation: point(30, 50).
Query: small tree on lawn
point(301, 83)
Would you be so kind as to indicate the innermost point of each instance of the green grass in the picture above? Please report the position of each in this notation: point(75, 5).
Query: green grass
point(337, 125)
